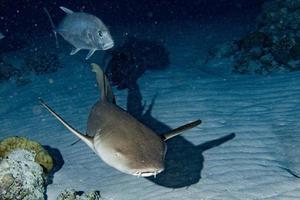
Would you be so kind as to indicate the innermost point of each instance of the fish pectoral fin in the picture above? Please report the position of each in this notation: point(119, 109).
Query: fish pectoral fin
point(66, 10)
point(91, 52)
point(180, 129)
point(87, 139)
point(74, 51)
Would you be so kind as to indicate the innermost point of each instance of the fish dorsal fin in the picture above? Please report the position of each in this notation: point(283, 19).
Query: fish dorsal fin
point(180, 129)
point(104, 86)
point(66, 10)
point(87, 139)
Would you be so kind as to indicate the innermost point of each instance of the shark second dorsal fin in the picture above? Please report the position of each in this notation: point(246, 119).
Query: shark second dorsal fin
point(104, 86)
point(180, 129)
point(66, 10)
point(88, 140)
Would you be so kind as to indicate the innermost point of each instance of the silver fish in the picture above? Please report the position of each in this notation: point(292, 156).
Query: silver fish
point(83, 31)
point(121, 140)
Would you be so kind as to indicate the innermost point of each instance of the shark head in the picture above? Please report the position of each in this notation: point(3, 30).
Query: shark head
point(130, 157)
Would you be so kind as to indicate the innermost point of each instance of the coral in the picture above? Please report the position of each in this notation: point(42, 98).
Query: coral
point(223, 50)
point(73, 195)
point(42, 157)
point(21, 178)
point(41, 62)
point(275, 44)
point(295, 50)
point(7, 71)
point(13, 42)
point(255, 39)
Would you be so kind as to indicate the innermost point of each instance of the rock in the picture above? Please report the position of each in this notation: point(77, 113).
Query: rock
point(223, 50)
point(12, 43)
point(256, 52)
point(41, 62)
point(267, 59)
point(255, 39)
point(249, 67)
point(294, 65)
point(21, 81)
point(292, 4)
point(7, 71)
point(295, 51)
point(21, 177)
point(73, 195)
point(275, 45)
point(42, 157)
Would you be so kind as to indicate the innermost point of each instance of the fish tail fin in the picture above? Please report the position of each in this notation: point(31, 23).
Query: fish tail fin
point(88, 140)
point(180, 129)
point(53, 26)
point(104, 86)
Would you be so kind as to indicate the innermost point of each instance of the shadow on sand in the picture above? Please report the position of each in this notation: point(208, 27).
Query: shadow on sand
point(184, 160)
point(58, 162)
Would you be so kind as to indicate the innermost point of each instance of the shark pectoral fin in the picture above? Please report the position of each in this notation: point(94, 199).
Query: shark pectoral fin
point(74, 51)
point(87, 139)
point(66, 10)
point(180, 129)
point(91, 52)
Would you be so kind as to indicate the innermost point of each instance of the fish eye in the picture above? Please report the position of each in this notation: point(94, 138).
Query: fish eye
point(100, 33)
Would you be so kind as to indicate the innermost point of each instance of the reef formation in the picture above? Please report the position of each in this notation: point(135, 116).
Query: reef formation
point(21, 178)
point(24, 166)
point(274, 46)
point(69, 194)
point(42, 157)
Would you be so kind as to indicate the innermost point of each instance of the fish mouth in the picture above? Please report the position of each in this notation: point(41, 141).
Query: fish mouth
point(148, 173)
point(108, 46)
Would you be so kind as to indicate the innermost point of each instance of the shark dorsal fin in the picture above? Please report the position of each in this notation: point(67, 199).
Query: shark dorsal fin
point(180, 129)
point(104, 86)
point(66, 10)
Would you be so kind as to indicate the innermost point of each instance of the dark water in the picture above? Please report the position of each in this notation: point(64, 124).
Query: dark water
point(26, 16)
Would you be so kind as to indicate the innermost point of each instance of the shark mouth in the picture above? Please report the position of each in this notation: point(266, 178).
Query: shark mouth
point(147, 174)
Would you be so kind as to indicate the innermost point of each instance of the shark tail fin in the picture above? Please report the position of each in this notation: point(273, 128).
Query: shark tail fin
point(104, 86)
point(88, 140)
point(180, 129)
point(53, 26)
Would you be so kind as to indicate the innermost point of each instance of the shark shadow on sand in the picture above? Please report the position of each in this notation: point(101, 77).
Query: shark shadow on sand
point(184, 160)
